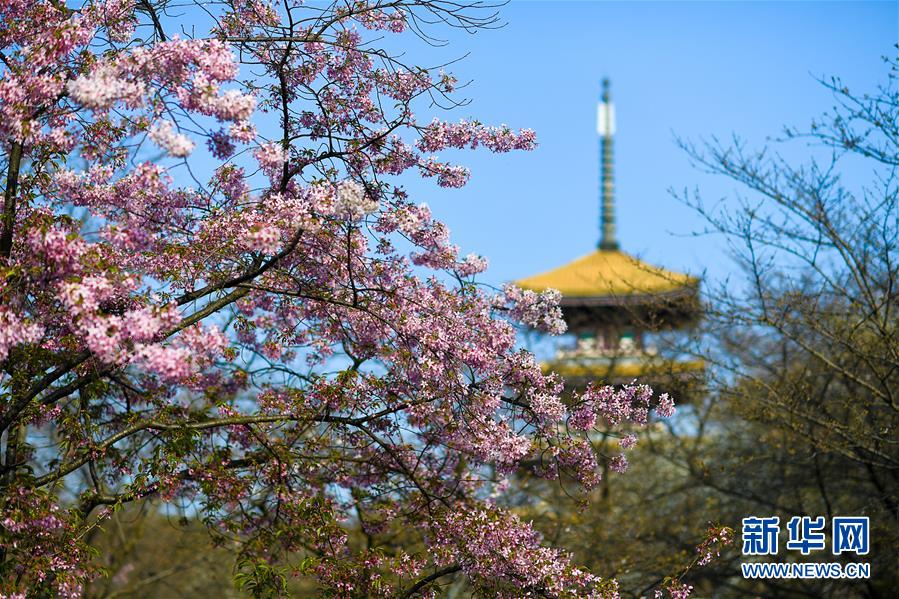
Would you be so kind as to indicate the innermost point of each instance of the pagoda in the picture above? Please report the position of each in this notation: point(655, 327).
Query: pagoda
point(614, 302)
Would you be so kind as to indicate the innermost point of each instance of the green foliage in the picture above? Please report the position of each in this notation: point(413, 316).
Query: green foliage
point(260, 579)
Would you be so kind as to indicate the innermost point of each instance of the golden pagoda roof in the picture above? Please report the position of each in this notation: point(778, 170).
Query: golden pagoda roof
point(626, 369)
point(608, 273)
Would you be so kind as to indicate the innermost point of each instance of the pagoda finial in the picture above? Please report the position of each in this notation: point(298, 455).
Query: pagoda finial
point(605, 127)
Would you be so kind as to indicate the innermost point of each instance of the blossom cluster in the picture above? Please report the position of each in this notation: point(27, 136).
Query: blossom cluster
point(285, 301)
point(497, 546)
point(270, 156)
point(103, 87)
point(717, 537)
point(616, 405)
point(15, 331)
point(353, 201)
point(538, 310)
point(372, 16)
point(674, 590)
point(191, 71)
point(39, 532)
point(470, 134)
point(165, 136)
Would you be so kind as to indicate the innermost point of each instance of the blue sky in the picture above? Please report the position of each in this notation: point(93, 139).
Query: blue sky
point(691, 69)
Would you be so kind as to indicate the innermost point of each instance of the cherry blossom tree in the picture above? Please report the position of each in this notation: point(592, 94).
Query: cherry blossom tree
point(213, 291)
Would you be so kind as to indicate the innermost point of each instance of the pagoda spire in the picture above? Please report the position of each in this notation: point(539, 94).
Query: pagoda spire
point(605, 127)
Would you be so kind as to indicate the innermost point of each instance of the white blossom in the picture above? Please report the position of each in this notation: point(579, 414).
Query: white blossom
point(175, 144)
point(352, 201)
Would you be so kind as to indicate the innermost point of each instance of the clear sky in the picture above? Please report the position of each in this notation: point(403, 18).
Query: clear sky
point(691, 69)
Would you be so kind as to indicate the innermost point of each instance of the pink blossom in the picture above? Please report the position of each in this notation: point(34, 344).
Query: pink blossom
point(619, 463)
point(628, 441)
point(666, 407)
point(271, 158)
point(265, 239)
point(537, 310)
point(471, 265)
point(14, 331)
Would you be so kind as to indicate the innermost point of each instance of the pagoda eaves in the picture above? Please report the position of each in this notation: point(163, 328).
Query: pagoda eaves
point(611, 277)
